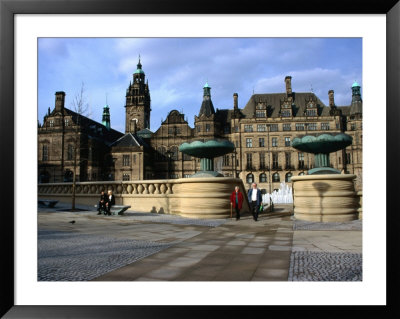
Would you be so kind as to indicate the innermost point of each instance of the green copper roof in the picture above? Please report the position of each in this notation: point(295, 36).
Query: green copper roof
point(139, 71)
point(206, 85)
point(355, 84)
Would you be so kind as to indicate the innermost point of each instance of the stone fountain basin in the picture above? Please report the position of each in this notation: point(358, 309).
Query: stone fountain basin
point(208, 149)
point(324, 143)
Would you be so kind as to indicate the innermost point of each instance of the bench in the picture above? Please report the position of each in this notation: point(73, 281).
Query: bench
point(116, 209)
point(47, 202)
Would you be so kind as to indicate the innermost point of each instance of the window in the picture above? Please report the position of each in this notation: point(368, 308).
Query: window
point(274, 160)
point(287, 160)
point(263, 178)
point(288, 177)
point(126, 177)
point(66, 122)
point(208, 128)
point(312, 112)
point(226, 160)
point(275, 177)
point(70, 152)
point(261, 142)
point(261, 128)
point(260, 113)
point(299, 126)
point(250, 178)
point(274, 127)
point(198, 128)
point(274, 142)
point(51, 123)
point(286, 127)
point(262, 161)
point(174, 155)
point(353, 126)
point(348, 158)
point(174, 176)
point(312, 126)
point(249, 142)
point(186, 157)
point(134, 159)
point(236, 129)
point(301, 173)
point(286, 113)
point(248, 128)
point(249, 158)
point(325, 126)
point(301, 160)
point(186, 175)
point(287, 141)
point(227, 129)
point(45, 153)
point(126, 160)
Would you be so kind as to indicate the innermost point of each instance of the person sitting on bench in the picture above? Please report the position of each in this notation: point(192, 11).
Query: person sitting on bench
point(110, 201)
point(102, 203)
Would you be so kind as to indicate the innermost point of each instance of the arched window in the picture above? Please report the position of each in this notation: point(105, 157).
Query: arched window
point(301, 173)
point(263, 178)
point(160, 154)
point(275, 177)
point(174, 155)
point(250, 178)
point(68, 176)
point(288, 177)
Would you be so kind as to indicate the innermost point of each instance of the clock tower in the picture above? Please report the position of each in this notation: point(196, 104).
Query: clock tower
point(137, 107)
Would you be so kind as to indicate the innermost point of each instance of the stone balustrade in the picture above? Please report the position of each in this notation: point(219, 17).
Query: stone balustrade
point(190, 197)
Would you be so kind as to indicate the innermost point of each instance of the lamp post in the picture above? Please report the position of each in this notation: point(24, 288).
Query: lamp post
point(269, 159)
point(169, 154)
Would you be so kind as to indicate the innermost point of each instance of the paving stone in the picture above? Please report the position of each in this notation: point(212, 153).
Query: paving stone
point(253, 250)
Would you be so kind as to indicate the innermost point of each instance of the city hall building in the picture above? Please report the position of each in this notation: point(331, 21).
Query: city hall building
point(262, 131)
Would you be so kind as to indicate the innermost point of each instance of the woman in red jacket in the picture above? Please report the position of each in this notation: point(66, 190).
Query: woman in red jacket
point(237, 201)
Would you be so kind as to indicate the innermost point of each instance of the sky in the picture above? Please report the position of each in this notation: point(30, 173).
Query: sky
point(178, 68)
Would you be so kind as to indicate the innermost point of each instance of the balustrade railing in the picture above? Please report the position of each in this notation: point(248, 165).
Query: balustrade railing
point(130, 187)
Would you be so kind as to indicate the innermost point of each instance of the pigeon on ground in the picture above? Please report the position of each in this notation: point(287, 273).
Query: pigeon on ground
point(72, 222)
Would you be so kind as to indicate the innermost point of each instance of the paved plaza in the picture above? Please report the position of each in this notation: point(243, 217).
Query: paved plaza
point(83, 246)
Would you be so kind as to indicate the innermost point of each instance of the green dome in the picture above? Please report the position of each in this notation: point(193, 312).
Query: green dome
point(139, 71)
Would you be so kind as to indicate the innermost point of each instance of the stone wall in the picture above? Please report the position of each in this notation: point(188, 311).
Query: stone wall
point(190, 197)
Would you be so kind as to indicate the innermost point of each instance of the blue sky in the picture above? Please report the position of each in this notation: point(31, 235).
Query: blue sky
point(178, 68)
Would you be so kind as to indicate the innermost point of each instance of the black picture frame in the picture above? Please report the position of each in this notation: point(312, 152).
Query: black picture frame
point(8, 10)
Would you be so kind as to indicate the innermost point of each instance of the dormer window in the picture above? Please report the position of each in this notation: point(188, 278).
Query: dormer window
point(261, 110)
point(286, 113)
point(51, 123)
point(312, 112)
point(66, 122)
point(286, 109)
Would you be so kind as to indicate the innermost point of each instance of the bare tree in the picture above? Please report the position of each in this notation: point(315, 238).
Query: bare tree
point(81, 108)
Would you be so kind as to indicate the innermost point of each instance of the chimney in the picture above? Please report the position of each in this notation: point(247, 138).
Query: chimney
point(288, 82)
point(60, 100)
point(331, 98)
point(235, 101)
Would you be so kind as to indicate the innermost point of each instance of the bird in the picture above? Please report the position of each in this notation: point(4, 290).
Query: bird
point(72, 222)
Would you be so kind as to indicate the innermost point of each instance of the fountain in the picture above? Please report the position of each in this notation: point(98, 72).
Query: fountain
point(324, 195)
point(282, 196)
point(206, 193)
point(207, 151)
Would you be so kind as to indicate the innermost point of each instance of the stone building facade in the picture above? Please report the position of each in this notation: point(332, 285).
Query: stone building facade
point(63, 131)
point(261, 131)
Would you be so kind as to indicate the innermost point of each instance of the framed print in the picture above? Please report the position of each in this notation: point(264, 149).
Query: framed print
point(23, 23)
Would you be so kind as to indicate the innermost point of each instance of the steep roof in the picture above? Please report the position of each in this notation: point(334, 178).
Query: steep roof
point(273, 102)
point(128, 140)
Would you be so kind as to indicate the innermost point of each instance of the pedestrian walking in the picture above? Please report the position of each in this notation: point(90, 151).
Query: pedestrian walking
point(110, 201)
point(255, 200)
point(237, 201)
